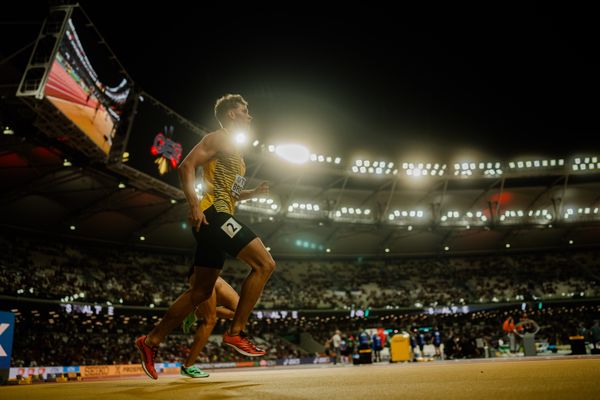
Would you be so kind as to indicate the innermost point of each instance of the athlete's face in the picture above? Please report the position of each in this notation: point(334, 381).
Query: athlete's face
point(241, 117)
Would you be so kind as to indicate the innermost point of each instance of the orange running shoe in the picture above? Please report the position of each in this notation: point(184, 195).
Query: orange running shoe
point(243, 345)
point(148, 353)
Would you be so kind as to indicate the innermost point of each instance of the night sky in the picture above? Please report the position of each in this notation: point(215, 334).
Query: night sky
point(490, 83)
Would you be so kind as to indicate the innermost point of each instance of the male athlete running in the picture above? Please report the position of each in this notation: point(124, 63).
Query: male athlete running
point(217, 232)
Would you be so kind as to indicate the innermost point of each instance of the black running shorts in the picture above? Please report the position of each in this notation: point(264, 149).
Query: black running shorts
point(223, 234)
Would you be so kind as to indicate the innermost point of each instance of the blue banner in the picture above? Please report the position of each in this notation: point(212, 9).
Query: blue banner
point(7, 329)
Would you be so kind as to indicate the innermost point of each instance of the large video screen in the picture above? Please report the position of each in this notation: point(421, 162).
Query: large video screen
point(86, 84)
point(158, 141)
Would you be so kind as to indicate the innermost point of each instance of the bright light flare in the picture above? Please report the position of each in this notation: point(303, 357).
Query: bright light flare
point(294, 153)
point(240, 138)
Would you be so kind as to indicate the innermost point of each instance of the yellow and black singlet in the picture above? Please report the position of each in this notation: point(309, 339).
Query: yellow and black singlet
point(224, 181)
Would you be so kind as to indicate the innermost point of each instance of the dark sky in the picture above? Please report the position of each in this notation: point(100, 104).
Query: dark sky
point(491, 82)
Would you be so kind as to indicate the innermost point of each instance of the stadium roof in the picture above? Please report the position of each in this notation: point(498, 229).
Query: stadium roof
point(46, 189)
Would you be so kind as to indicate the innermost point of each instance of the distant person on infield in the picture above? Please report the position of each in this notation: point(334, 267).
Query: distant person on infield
point(222, 304)
point(217, 231)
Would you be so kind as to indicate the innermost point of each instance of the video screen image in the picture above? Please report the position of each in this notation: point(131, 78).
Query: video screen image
point(75, 88)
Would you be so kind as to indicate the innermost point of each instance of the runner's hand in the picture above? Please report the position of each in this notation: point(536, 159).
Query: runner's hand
point(263, 188)
point(197, 218)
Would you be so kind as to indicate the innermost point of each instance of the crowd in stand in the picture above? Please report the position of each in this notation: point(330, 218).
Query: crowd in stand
point(48, 337)
point(55, 270)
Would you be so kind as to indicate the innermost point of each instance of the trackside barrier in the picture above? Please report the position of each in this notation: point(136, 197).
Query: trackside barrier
point(51, 374)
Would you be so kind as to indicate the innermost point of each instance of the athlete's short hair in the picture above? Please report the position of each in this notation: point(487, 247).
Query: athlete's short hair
point(226, 103)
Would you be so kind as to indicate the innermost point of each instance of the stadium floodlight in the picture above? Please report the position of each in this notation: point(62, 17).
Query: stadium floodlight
point(373, 167)
point(403, 216)
point(543, 163)
point(423, 169)
point(470, 168)
point(260, 205)
point(302, 209)
point(353, 214)
point(240, 138)
point(585, 163)
point(294, 153)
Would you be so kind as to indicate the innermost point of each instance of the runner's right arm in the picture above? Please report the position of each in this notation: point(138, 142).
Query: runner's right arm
point(200, 155)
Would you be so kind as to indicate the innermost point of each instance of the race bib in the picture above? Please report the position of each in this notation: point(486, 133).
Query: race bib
point(238, 186)
point(231, 227)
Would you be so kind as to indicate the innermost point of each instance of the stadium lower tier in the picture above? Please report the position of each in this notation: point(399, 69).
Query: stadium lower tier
point(58, 334)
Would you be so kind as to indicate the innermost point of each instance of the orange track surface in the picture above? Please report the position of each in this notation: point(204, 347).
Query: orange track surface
point(519, 379)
